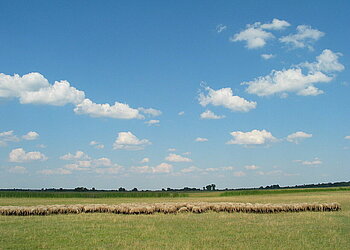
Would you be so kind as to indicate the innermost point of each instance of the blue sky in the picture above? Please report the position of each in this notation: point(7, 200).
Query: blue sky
point(154, 94)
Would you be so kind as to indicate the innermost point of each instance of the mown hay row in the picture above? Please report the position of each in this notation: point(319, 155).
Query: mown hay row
point(167, 208)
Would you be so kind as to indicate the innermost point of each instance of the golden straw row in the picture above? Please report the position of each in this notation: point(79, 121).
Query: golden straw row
point(145, 208)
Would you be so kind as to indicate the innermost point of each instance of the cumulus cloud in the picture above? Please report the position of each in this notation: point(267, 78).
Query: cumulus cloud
point(273, 172)
point(304, 37)
point(224, 97)
point(294, 80)
point(181, 113)
point(118, 110)
point(76, 156)
point(7, 136)
point(314, 162)
point(298, 136)
point(161, 168)
point(15, 86)
point(58, 94)
point(267, 56)
point(327, 62)
point(290, 80)
point(17, 170)
point(177, 158)
point(34, 88)
point(347, 137)
point(256, 36)
point(31, 136)
point(128, 141)
point(254, 137)
point(150, 111)
point(210, 115)
point(251, 167)
point(152, 122)
point(96, 144)
point(19, 155)
point(200, 139)
point(171, 149)
point(276, 24)
point(220, 28)
point(239, 174)
point(144, 160)
point(190, 170)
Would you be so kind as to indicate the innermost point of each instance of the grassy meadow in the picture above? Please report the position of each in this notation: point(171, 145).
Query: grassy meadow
point(305, 230)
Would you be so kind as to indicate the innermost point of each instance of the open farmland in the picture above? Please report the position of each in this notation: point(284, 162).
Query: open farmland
point(208, 230)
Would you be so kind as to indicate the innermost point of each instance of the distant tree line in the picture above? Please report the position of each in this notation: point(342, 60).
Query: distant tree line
point(210, 187)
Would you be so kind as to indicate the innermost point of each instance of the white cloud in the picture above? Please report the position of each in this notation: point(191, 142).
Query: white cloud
point(228, 168)
point(220, 28)
point(31, 136)
point(144, 160)
point(59, 94)
point(190, 170)
point(17, 170)
point(150, 111)
point(142, 169)
point(224, 97)
point(327, 61)
point(254, 137)
point(314, 162)
point(210, 115)
point(171, 149)
point(118, 110)
point(163, 168)
point(200, 139)
point(76, 156)
point(239, 174)
point(276, 24)
point(267, 56)
point(59, 171)
point(152, 122)
point(274, 172)
point(34, 88)
point(347, 137)
point(7, 136)
point(96, 144)
point(304, 37)
point(254, 37)
point(14, 86)
point(251, 167)
point(298, 136)
point(19, 155)
point(290, 80)
point(177, 158)
point(128, 141)
point(181, 113)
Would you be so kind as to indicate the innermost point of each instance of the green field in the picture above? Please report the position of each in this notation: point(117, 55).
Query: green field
point(306, 230)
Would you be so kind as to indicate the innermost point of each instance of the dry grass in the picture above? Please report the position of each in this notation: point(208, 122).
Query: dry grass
point(168, 208)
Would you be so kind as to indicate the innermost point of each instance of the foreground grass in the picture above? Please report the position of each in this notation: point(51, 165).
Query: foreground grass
point(308, 230)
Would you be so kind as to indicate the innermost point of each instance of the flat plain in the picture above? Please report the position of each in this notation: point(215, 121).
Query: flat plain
point(211, 230)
